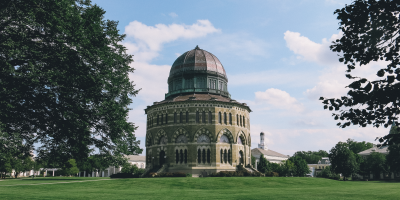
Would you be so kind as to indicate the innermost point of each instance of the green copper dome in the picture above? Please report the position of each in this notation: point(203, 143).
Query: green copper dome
point(197, 71)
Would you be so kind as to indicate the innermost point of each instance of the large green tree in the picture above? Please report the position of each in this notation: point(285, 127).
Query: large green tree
point(311, 157)
point(300, 166)
point(64, 79)
point(343, 160)
point(357, 147)
point(370, 33)
point(376, 164)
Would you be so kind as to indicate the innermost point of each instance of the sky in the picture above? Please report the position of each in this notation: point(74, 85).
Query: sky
point(275, 53)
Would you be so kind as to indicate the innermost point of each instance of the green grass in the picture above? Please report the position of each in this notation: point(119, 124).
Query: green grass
point(198, 188)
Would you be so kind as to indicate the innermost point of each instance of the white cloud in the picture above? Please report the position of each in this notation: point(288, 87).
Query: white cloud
point(148, 40)
point(145, 42)
point(311, 51)
point(173, 15)
point(279, 99)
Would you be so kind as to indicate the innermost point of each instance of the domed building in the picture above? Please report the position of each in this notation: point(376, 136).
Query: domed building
point(197, 128)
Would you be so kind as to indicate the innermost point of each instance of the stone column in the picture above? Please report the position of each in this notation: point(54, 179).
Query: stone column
point(84, 174)
point(53, 172)
point(102, 174)
point(79, 174)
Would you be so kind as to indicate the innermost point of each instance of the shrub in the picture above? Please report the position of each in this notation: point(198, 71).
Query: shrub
point(169, 174)
point(188, 175)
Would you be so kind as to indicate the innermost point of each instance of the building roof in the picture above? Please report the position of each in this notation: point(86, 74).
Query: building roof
point(268, 152)
point(382, 149)
point(197, 60)
point(136, 158)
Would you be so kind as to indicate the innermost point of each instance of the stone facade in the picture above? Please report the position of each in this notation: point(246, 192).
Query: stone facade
point(198, 128)
point(183, 142)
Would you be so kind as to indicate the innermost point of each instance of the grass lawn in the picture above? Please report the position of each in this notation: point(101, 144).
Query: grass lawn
point(197, 188)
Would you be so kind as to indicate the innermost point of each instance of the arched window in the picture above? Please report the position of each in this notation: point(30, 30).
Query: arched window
point(225, 156)
point(185, 156)
point(177, 156)
point(229, 156)
point(158, 119)
point(162, 119)
point(209, 117)
point(181, 117)
point(230, 119)
point(203, 116)
point(199, 156)
point(175, 117)
point(208, 156)
point(237, 120)
point(181, 156)
point(204, 156)
point(240, 118)
point(225, 118)
point(197, 117)
point(244, 121)
point(241, 157)
point(219, 118)
point(187, 117)
point(166, 118)
point(222, 156)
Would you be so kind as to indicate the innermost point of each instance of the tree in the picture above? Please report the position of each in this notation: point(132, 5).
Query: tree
point(343, 160)
point(21, 164)
point(253, 160)
point(263, 164)
point(311, 157)
point(370, 33)
point(5, 166)
point(65, 79)
point(288, 167)
point(300, 166)
point(357, 147)
point(376, 163)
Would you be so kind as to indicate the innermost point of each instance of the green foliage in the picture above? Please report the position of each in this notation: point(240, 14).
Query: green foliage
point(129, 168)
point(376, 163)
point(169, 174)
point(65, 80)
point(311, 157)
point(188, 175)
point(370, 33)
point(393, 158)
point(343, 160)
point(327, 173)
point(262, 165)
point(357, 147)
point(253, 160)
point(69, 168)
point(300, 166)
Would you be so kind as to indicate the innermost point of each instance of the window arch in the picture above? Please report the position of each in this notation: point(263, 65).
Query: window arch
point(177, 156)
point(240, 120)
point(162, 119)
point(175, 117)
point(185, 156)
point(203, 116)
point(225, 118)
point(208, 156)
point(209, 117)
point(244, 121)
point(166, 118)
point(180, 117)
point(225, 156)
point(230, 118)
point(229, 156)
point(158, 119)
point(181, 153)
point(221, 156)
point(199, 156)
point(187, 117)
point(219, 118)
point(197, 117)
point(204, 156)
point(237, 120)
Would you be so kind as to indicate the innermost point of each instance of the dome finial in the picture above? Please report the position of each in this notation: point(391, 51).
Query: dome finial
point(197, 47)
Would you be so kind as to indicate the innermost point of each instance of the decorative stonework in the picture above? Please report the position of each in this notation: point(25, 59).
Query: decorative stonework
point(181, 139)
point(227, 133)
point(202, 131)
point(203, 139)
point(161, 133)
point(241, 138)
point(178, 133)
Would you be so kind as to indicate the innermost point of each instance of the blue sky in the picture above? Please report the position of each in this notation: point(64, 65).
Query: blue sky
point(276, 55)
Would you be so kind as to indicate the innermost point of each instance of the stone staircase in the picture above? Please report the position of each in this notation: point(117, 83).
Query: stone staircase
point(162, 169)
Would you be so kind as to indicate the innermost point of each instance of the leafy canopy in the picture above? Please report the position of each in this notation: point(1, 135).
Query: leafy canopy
point(64, 80)
point(370, 33)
